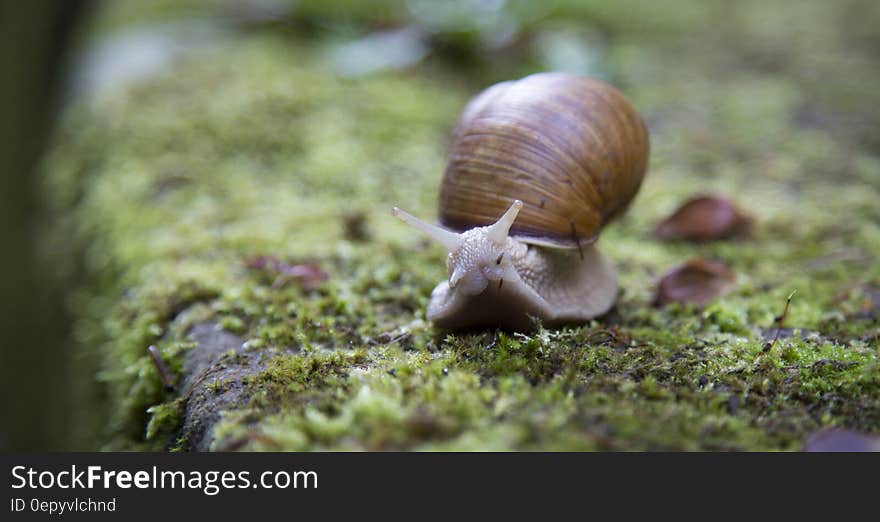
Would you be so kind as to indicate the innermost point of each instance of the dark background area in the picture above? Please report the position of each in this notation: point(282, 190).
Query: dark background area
point(36, 41)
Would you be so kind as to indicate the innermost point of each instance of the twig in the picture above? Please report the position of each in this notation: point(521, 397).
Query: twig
point(164, 376)
point(779, 322)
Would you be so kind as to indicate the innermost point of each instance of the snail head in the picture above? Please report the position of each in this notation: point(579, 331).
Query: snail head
point(478, 256)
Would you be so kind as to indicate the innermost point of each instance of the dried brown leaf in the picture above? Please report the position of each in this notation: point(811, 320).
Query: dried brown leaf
point(696, 281)
point(307, 275)
point(705, 218)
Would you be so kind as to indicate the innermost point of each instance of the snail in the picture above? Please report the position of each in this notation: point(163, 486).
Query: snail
point(536, 167)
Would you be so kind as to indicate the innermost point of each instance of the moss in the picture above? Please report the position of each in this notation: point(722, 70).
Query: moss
point(256, 147)
point(165, 419)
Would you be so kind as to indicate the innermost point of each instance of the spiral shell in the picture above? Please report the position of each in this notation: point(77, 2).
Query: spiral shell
point(573, 149)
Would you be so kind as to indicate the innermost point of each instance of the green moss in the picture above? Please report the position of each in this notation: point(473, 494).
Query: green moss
point(165, 419)
point(256, 147)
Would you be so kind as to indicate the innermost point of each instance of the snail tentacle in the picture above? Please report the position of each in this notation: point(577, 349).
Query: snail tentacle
point(449, 239)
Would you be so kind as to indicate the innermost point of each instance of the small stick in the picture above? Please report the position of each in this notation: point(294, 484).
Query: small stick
point(779, 321)
point(164, 376)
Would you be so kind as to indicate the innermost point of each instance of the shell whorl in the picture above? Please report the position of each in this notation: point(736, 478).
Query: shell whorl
point(573, 149)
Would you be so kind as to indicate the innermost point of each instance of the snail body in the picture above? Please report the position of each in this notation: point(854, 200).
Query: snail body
point(556, 156)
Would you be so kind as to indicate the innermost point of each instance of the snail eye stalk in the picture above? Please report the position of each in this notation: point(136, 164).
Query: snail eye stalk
point(497, 233)
point(450, 240)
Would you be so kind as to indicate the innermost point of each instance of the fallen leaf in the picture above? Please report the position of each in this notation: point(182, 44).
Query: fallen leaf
point(835, 439)
point(705, 218)
point(696, 281)
point(307, 275)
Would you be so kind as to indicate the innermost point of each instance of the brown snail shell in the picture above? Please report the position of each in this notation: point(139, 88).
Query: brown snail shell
point(572, 149)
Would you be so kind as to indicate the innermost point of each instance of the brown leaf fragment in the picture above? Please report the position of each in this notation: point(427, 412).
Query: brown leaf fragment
point(306, 275)
point(705, 218)
point(696, 281)
point(835, 439)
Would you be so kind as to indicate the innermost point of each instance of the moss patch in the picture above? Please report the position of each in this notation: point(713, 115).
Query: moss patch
point(254, 146)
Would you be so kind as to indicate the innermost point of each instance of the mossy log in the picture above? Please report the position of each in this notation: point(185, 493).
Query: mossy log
point(192, 191)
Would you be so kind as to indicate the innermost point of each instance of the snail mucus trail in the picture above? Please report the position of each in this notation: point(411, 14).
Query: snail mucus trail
point(536, 167)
